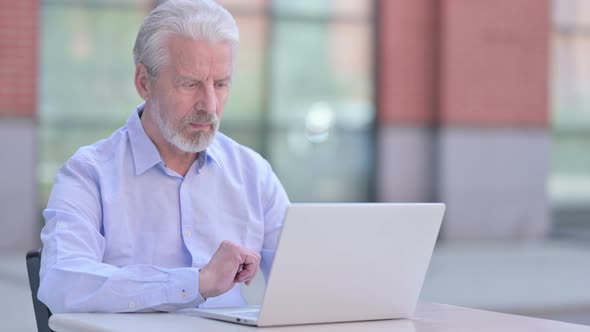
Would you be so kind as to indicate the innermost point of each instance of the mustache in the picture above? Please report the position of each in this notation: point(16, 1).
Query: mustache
point(201, 117)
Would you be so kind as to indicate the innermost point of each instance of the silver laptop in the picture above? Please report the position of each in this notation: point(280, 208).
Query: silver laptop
point(344, 262)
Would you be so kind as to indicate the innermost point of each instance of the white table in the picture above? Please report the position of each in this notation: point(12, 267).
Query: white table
point(428, 318)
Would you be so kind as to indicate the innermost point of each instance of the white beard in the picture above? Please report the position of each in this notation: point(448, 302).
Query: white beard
point(174, 134)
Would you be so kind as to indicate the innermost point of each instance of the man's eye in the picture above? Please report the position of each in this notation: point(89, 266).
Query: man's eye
point(189, 85)
point(220, 84)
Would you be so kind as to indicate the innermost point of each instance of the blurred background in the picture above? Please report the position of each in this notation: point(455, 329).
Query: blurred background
point(483, 105)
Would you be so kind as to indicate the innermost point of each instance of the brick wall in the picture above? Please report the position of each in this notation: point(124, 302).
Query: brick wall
point(464, 63)
point(19, 54)
point(494, 63)
point(408, 62)
point(19, 32)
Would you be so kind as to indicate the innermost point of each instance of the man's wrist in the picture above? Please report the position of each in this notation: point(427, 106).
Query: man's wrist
point(204, 284)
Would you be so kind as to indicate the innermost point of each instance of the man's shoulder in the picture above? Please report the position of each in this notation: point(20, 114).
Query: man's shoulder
point(229, 152)
point(101, 151)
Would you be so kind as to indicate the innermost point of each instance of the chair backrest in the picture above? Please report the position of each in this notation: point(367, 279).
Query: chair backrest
point(42, 313)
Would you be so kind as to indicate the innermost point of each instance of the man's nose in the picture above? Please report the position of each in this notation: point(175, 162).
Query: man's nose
point(207, 101)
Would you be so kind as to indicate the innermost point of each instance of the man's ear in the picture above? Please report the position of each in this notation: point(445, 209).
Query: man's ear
point(142, 82)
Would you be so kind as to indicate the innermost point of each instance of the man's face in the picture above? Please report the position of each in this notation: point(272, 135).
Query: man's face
point(190, 92)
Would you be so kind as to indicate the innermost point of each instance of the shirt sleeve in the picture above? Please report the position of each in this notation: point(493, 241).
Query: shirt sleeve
point(275, 207)
point(73, 277)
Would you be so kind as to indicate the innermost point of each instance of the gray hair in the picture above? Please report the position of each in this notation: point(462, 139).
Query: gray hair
point(195, 19)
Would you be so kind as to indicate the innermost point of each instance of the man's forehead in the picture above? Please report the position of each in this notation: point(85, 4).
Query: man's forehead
point(187, 47)
point(188, 55)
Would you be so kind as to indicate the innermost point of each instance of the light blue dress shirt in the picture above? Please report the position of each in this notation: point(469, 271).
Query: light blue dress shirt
point(125, 233)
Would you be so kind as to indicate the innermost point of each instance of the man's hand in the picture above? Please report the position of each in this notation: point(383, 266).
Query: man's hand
point(230, 264)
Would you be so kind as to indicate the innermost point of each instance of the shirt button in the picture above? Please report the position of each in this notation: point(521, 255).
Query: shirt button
point(188, 234)
point(61, 226)
point(131, 305)
point(183, 294)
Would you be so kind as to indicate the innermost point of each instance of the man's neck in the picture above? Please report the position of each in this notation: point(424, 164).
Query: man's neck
point(175, 159)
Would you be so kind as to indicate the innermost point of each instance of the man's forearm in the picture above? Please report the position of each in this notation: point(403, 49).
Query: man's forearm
point(80, 285)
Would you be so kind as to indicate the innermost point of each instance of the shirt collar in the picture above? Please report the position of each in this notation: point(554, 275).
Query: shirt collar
point(211, 153)
point(145, 153)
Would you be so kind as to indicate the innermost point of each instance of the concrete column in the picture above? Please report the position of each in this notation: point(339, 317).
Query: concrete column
point(494, 137)
point(407, 97)
point(463, 112)
point(19, 30)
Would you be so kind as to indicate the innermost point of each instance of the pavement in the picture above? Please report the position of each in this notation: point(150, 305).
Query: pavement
point(548, 279)
point(16, 307)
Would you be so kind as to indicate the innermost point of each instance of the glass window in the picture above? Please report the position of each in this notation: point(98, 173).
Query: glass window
point(243, 119)
point(321, 110)
point(570, 174)
point(302, 93)
point(86, 77)
point(361, 9)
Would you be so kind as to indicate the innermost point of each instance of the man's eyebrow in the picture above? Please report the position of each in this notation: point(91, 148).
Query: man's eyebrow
point(184, 78)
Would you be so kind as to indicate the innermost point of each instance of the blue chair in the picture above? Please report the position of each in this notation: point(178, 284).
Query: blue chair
point(42, 313)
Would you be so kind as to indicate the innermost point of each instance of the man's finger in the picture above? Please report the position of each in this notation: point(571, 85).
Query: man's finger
point(252, 275)
point(247, 273)
point(242, 276)
point(249, 268)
